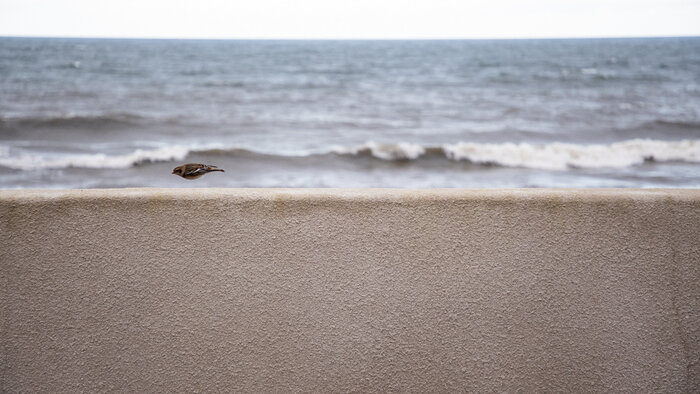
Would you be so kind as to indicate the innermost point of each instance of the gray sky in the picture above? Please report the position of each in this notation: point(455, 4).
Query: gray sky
point(349, 18)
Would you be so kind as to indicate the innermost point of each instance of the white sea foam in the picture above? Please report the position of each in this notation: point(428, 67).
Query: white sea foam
point(397, 151)
point(552, 156)
point(26, 161)
point(560, 156)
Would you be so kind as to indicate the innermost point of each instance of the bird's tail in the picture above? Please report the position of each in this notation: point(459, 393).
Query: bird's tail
point(215, 168)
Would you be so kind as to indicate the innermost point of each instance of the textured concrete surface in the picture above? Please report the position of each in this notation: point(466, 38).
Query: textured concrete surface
point(148, 290)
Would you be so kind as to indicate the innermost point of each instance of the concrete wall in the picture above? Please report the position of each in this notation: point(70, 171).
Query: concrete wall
point(148, 290)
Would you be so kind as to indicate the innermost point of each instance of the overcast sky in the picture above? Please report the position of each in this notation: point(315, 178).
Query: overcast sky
point(349, 18)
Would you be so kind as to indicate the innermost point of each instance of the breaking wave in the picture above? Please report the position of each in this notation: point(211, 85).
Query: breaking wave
point(96, 160)
point(398, 151)
point(560, 156)
point(551, 156)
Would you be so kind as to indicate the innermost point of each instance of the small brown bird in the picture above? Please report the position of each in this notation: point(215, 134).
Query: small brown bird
point(193, 171)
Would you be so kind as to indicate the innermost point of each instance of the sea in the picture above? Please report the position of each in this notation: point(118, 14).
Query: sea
point(106, 113)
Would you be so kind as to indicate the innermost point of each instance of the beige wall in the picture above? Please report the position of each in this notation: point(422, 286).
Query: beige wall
point(350, 290)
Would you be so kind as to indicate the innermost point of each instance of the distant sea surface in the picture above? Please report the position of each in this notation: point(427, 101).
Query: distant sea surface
point(100, 113)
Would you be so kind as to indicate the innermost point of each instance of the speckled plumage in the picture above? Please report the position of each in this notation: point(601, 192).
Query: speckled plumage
point(193, 170)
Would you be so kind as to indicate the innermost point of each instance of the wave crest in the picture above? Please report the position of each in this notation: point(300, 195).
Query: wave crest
point(552, 156)
point(96, 160)
point(560, 156)
point(397, 151)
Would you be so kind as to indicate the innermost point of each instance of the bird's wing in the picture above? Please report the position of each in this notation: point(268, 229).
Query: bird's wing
point(198, 170)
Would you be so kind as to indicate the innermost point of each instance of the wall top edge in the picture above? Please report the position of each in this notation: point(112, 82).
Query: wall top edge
point(292, 194)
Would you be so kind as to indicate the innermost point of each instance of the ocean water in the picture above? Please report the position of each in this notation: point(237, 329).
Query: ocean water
point(94, 113)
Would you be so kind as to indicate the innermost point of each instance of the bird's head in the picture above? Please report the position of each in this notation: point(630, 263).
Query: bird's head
point(178, 170)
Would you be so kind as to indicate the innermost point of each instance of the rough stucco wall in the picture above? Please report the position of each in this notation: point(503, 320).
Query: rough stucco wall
point(350, 290)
